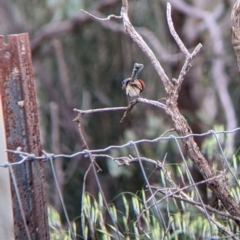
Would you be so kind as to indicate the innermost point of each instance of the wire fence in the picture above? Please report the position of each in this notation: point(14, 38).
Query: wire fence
point(159, 195)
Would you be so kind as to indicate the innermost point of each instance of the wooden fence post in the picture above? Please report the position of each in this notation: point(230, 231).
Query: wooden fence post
point(22, 132)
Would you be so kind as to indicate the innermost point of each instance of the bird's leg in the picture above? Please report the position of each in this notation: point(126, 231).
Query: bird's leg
point(130, 101)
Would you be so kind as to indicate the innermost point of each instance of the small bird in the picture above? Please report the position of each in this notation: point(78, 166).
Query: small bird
point(133, 85)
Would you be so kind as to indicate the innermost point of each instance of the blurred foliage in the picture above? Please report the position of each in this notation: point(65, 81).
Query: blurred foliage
point(136, 220)
point(57, 230)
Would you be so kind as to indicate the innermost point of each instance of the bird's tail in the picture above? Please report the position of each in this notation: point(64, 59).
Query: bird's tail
point(136, 70)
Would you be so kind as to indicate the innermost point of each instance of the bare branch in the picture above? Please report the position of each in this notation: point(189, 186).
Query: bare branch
point(54, 30)
point(152, 102)
point(174, 33)
point(220, 77)
point(129, 108)
point(141, 43)
point(108, 18)
point(90, 111)
point(174, 192)
point(85, 145)
point(181, 45)
point(187, 65)
point(126, 109)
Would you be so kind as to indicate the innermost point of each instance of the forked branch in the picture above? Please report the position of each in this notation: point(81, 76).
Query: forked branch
point(141, 43)
point(218, 186)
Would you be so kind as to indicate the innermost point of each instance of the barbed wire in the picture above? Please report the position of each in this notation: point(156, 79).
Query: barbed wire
point(173, 192)
point(30, 157)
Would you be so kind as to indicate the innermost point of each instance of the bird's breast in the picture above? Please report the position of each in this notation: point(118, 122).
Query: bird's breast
point(132, 90)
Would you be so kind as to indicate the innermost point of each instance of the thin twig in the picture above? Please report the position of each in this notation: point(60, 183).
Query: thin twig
point(187, 66)
point(174, 33)
point(129, 108)
point(90, 111)
point(126, 109)
point(169, 130)
point(181, 45)
point(109, 17)
point(85, 145)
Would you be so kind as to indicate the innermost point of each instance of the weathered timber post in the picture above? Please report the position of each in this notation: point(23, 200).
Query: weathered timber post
point(22, 131)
